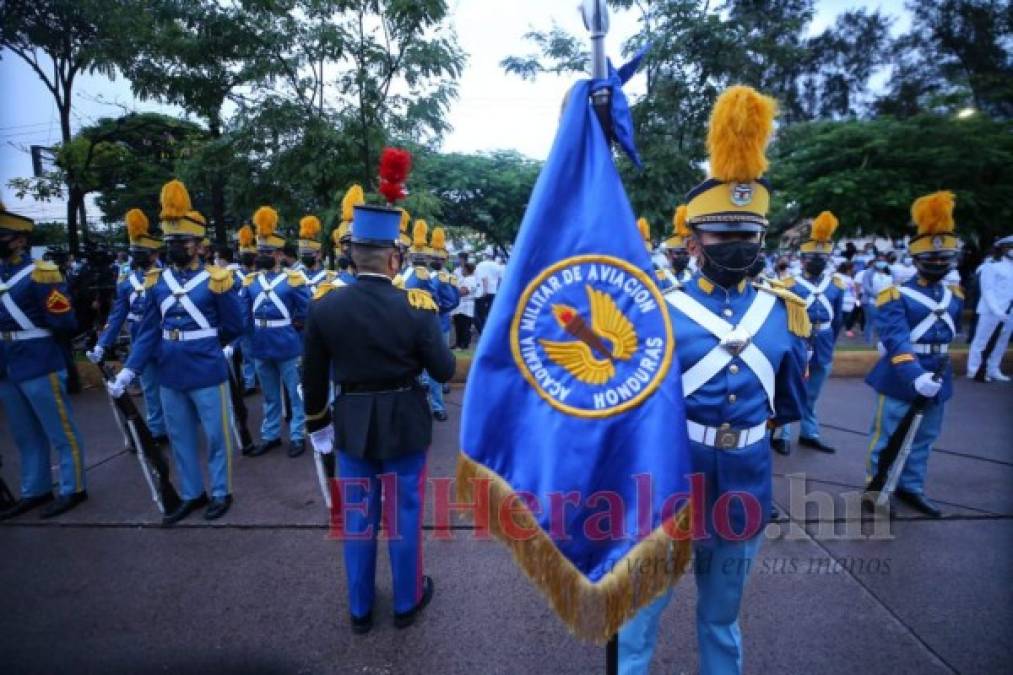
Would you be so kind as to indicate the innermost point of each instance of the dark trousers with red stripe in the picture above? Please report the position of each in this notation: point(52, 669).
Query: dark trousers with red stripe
point(401, 482)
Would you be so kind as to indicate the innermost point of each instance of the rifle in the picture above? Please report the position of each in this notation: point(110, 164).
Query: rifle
point(6, 497)
point(894, 456)
point(149, 455)
point(979, 375)
point(240, 420)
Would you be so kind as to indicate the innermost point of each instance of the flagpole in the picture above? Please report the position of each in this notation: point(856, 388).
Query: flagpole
point(596, 21)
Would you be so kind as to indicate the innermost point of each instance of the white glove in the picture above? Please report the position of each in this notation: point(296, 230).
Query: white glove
point(323, 440)
point(881, 348)
point(298, 389)
point(95, 354)
point(119, 385)
point(227, 352)
point(927, 386)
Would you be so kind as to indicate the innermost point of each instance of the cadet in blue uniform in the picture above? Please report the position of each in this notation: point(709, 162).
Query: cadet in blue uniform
point(277, 301)
point(742, 351)
point(376, 339)
point(823, 292)
point(33, 374)
point(247, 262)
point(447, 296)
point(343, 234)
point(916, 323)
point(190, 312)
point(662, 277)
point(676, 251)
point(129, 307)
point(309, 252)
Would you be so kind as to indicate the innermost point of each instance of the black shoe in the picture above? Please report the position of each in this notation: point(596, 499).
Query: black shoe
point(297, 448)
point(815, 444)
point(406, 619)
point(781, 446)
point(362, 625)
point(26, 504)
point(263, 447)
point(64, 503)
point(185, 508)
point(440, 416)
point(919, 503)
point(218, 507)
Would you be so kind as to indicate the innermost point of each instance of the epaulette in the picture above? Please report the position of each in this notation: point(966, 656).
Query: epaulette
point(840, 283)
point(957, 291)
point(443, 277)
point(46, 272)
point(398, 282)
point(420, 299)
point(151, 276)
point(798, 317)
point(788, 282)
point(775, 283)
point(454, 281)
point(422, 273)
point(323, 289)
point(888, 294)
point(248, 279)
point(660, 274)
point(296, 278)
point(222, 280)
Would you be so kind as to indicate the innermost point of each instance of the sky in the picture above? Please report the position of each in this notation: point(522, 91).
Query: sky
point(494, 110)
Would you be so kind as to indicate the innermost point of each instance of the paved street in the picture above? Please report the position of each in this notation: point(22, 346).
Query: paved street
point(103, 589)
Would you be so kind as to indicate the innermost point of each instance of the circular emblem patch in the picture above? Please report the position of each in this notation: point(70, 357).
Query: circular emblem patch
point(591, 335)
point(937, 242)
point(741, 194)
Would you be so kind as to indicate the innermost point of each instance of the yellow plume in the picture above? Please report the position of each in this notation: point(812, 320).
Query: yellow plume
point(196, 216)
point(439, 239)
point(823, 226)
point(175, 200)
point(245, 236)
point(740, 126)
point(137, 224)
point(353, 197)
point(680, 229)
point(309, 227)
point(645, 229)
point(933, 214)
point(266, 219)
point(406, 218)
point(419, 233)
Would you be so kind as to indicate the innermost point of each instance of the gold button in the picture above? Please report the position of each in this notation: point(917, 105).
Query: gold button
point(727, 312)
point(731, 398)
point(726, 426)
point(734, 368)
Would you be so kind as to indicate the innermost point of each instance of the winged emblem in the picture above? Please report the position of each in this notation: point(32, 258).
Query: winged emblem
point(610, 337)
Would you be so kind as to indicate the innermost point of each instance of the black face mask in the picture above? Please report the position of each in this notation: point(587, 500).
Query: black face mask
point(757, 267)
point(933, 271)
point(344, 262)
point(248, 259)
point(140, 260)
point(814, 266)
point(679, 263)
point(5, 249)
point(436, 266)
point(265, 262)
point(178, 255)
point(727, 263)
point(309, 260)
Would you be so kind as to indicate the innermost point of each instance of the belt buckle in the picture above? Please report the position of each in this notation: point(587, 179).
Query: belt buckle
point(727, 438)
point(939, 312)
point(262, 323)
point(175, 334)
point(7, 336)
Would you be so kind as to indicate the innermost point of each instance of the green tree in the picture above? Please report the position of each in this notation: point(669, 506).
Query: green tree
point(59, 40)
point(869, 172)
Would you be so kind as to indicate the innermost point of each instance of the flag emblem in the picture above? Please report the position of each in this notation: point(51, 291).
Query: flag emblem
point(590, 334)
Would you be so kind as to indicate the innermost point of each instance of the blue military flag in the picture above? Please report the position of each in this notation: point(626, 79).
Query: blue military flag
point(574, 429)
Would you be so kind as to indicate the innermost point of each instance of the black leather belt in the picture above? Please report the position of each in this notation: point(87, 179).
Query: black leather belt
point(390, 387)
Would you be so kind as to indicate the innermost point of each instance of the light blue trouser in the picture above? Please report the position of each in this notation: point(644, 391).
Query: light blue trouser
point(362, 482)
point(869, 331)
point(809, 426)
point(435, 394)
point(721, 569)
point(152, 400)
point(889, 413)
point(210, 408)
point(40, 418)
point(273, 374)
point(249, 370)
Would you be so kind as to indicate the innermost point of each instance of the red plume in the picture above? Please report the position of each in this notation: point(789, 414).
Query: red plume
point(395, 164)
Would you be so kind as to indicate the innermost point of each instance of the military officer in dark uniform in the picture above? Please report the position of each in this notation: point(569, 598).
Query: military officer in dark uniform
point(375, 340)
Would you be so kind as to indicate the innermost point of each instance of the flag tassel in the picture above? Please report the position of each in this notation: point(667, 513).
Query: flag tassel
point(591, 611)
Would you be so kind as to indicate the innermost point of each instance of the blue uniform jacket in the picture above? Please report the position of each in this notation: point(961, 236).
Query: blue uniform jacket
point(127, 307)
point(346, 277)
point(185, 365)
point(278, 343)
point(711, 405)
point(42, 296)
point(895, 372)
point(447, 296)
point(823, 339)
